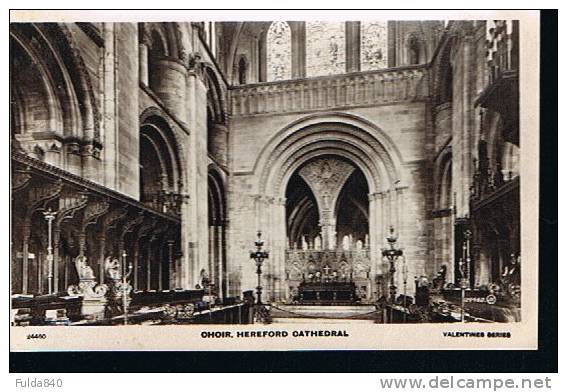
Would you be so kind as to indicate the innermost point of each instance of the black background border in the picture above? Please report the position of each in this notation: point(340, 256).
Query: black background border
point(529, 361)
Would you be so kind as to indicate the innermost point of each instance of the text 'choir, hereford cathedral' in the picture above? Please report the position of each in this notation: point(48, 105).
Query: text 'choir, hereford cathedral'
point(237, 171)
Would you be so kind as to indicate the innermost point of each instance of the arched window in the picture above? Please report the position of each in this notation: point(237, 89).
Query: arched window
point(279, 51)
point(325, 48)
point(373, 45)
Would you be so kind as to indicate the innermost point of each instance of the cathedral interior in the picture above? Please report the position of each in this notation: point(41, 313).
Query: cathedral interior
point(379, 160)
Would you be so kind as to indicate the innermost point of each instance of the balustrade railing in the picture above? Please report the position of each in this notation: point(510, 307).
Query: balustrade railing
point(336, 91)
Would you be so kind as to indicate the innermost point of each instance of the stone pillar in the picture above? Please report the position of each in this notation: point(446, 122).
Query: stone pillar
point(160, 267)
point(25, 257)
point(143, 63)
point(352, 32)
point(125, 108)
point(194, 240)
point(281, 243)
point(218, 260)
point(373, 234)
point(136, 264)
point(219, 143)
point(171, 264)
point(212, 246)
point(56, 238)
point(109, 131)
point(262, 59)
point(168, 82)
point(226, 267)
point(149, 265)
point(328, 229)
point(101, 239)
point(297, 49)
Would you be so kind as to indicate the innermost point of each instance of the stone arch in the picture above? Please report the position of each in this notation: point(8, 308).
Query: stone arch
point(64, 77)
point(217, 195)
point(443, 180)
point(157, 131)
point(216, 101)
point(162, 37)
point(217, 229)
point(342, 134)
point(442, 72)
point(80, 76)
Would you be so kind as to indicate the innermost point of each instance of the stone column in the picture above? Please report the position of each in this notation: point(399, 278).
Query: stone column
point(263, 59)
point(160, 268)
point(101, 239)
point(352, 32)
point(149, 265)
point(194, 240)
point(56, 238)
point(169, 84)
point(25, 257)
point(136, 264)
point(328, 229)
point(143, 63)
point(211, 264)
point(226, 269)
point(280, 224)
point(171, 263)
point(219, 143)
point(297, 49)
point(109, 130)
point(218, 260)
point(373, 236)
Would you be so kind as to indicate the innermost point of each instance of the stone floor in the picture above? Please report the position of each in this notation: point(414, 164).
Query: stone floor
point(325, 314)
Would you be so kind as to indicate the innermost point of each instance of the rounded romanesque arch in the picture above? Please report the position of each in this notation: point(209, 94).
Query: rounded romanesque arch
point(161, 168)
point(53, 110)
point(346, 135)
point(217, 218)
point(340, 137)
point(154, 116)
point(47, 54)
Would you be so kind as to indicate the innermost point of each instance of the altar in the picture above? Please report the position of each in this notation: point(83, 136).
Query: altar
point(328, 277)
point(327, 293)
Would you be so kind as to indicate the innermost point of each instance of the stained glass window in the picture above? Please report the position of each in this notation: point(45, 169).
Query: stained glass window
point(373, 45)
point(279, 51)
point(325, 48)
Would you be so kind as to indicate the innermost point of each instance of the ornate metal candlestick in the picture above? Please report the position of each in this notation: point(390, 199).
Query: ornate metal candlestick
point(125, 288)
point(392, 254)
point(49, 217)
point(405, 277)
point(259, 255)
point(464, 265)
point(118, 272)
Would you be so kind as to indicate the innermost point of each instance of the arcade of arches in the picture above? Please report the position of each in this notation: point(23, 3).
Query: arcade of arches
point(169, 145)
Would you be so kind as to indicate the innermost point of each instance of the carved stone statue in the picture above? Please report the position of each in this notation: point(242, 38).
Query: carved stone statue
point(84, 271)
point(112, 268)
point(93, 294)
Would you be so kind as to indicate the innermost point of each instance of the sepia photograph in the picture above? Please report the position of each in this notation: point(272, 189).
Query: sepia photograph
point(275, 179)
